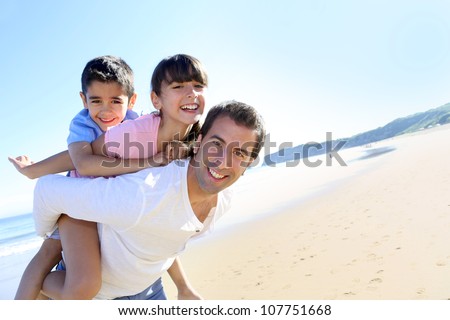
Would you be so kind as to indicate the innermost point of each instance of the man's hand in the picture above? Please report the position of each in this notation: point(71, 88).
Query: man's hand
point(188, 293)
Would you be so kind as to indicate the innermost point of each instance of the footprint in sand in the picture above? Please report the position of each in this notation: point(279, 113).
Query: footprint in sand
point(352, 263)
point(372, 257)
point(376, 280)
point(372, 284)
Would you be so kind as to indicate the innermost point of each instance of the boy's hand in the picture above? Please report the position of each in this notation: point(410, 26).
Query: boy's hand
point(21, 163)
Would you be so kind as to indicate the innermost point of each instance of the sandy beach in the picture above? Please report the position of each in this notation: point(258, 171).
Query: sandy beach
point(383, 233)
point(375, 229)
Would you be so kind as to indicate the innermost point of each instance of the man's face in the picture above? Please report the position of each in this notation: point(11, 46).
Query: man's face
point(224, 154)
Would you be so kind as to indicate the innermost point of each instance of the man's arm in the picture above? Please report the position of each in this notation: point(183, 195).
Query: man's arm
point(185, 290)
point(57, 163)
point(116, 201)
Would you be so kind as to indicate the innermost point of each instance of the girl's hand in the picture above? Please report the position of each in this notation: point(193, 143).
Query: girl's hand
point(177, 150)
point(174, 150)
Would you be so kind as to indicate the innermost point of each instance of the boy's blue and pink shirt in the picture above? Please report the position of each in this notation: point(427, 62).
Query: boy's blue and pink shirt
point(83, 128)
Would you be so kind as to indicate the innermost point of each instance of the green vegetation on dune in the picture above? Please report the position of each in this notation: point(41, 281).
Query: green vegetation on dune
point(408, 124)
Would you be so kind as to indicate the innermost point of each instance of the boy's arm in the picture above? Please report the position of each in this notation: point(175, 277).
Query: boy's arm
point(57, 163)
point(89, 160)
point(92, 160)
point(185, 291)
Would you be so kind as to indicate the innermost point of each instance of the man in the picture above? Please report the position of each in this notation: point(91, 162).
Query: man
point(146, 218)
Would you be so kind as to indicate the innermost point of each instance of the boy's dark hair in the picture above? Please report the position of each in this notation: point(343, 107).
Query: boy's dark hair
point(108, 69)
point(178, 68)
point(243, 115)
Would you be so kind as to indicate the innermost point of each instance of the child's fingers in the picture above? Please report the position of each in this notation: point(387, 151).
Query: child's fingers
point(15, 160)
point(178, 150)
point(169, 152)
point(20, 160)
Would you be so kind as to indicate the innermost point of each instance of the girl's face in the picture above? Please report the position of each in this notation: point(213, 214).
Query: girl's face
point(107, 103)
point(181, 102)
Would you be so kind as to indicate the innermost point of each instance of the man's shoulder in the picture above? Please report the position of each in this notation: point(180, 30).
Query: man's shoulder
point(224, 201)
point(227, 194)
point(172, 173)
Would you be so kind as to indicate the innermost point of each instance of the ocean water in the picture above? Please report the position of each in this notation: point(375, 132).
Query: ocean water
point(264, 190)
point(18, 243)
point(17, 235)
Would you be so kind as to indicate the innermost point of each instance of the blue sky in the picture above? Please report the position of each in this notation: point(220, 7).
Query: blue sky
point(309, 66)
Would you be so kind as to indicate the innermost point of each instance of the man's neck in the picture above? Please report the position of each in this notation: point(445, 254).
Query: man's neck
point(201, 202)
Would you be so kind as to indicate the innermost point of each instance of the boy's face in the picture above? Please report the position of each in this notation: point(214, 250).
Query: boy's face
point(107, 103)
point(224, 154)
point(181, 102)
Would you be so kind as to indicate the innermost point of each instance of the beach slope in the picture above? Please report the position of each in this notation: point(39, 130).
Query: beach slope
point(381, 234)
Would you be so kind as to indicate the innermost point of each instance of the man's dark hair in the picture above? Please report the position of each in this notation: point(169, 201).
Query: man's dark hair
point(243, 115)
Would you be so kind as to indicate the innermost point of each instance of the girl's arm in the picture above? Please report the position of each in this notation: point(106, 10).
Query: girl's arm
point(185, 290)
point(57, 163)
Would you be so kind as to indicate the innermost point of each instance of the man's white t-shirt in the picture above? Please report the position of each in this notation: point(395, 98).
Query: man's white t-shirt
point(145, 220)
